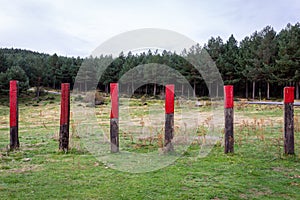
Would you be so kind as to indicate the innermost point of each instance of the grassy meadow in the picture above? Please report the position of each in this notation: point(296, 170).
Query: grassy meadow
point(257, 170)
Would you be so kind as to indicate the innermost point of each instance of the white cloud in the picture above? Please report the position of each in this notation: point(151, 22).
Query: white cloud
point(78, 27)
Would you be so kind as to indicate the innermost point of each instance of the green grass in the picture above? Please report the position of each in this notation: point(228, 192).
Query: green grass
point(257, 170)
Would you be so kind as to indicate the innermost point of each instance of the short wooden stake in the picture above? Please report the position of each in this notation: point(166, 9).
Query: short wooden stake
point(228, 112)
point(114, 118)
point(169, 117)
point(14, 115)
point(64, 117)
point(289, 120)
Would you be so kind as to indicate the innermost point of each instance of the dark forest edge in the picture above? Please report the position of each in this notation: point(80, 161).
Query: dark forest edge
point(258, 66)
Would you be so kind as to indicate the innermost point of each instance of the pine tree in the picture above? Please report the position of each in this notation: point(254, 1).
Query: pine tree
point(289, 56)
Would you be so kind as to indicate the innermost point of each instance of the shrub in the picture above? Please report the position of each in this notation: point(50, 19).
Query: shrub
point(94, 98)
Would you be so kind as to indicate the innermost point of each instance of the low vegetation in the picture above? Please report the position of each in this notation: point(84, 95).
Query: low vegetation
point(257, 170)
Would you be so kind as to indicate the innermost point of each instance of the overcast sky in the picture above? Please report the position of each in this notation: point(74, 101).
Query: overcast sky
point(77, 27)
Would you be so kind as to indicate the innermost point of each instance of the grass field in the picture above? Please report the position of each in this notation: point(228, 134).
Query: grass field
point(257, 170)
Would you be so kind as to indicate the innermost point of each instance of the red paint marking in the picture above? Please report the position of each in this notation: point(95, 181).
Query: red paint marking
point(228, 96)
point(13, 101)
point(169, 103)
point(289, 94)
point(114, 95)
point(65, 103)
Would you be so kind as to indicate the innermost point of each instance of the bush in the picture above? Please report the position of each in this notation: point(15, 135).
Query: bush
point(94, 97)
point(99, 99)
point(144, 99)
point(78, 98)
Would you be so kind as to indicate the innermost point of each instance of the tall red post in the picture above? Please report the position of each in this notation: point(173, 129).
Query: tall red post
point(289, 120)
point(14, 115)
point(114, 118)
point(169, 117)
point(228, 112)
point(64, 117)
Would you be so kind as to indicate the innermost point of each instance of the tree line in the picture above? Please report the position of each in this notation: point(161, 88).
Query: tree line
point(258, 66)
point(33, 69)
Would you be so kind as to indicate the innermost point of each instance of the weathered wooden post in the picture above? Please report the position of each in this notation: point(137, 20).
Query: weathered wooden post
point(114, 118)
point(289, 120)
point(228, 112)
point(14, 115)
point(169, 117)
point(64, 117)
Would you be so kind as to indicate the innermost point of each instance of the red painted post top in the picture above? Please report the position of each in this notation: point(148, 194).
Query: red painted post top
point(114, 96)
point(228, 96)
point(13, 102)
point(64, 105)
point(289, 94)
point(169, 102)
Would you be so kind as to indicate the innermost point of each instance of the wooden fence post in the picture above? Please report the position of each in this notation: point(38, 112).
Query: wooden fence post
point(228, 112)
point(64, 117)
point(289, 120)
point(114, 118)
point(169, 117)
point(14, 115)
